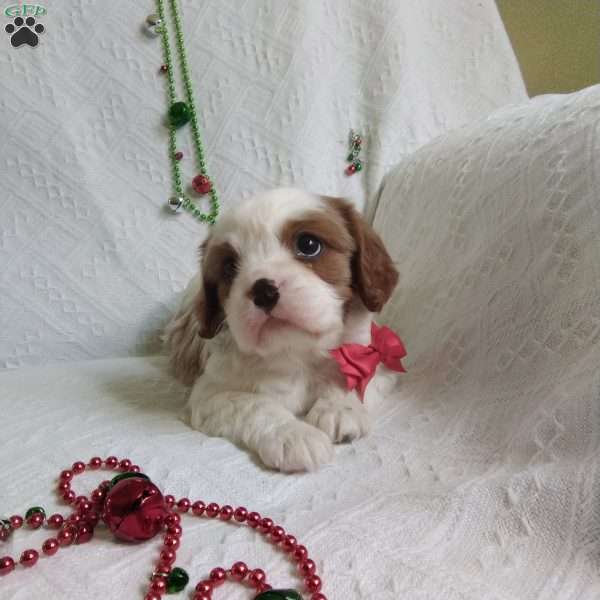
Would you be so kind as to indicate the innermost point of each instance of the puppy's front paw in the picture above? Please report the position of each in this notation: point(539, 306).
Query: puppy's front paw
point(295, 446)
point(341, 421)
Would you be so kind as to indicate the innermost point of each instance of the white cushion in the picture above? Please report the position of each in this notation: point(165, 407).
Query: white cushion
point(496, 231)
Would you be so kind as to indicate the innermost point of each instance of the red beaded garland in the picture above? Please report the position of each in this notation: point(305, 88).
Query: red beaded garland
point(79, 527)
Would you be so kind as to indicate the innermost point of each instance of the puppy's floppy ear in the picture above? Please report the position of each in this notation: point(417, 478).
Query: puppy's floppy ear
point(374, 275)
point(209, 310)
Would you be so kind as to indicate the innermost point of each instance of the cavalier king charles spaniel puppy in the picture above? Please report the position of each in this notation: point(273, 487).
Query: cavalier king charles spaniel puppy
point(285, 277)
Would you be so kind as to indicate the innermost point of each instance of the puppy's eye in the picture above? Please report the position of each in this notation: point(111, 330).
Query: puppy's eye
point(308, 246)
point(229, 268)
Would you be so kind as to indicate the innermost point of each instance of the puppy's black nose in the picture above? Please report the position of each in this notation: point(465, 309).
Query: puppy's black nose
point(265, 294)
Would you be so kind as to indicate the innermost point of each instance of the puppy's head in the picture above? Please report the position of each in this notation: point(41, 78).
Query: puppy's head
point(282, 269)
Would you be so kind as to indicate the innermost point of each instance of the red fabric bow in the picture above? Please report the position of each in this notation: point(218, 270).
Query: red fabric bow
point(359, 363)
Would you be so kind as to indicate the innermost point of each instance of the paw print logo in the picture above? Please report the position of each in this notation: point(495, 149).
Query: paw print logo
point(24, 31)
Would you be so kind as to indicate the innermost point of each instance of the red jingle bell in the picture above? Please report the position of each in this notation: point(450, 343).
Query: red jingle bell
point(134, 509)
point(201, 184)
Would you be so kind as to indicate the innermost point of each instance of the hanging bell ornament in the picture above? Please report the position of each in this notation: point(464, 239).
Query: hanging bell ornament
point(175, 203)
point(153, 25)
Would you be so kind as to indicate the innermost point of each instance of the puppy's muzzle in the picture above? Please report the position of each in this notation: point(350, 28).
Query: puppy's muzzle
point(264, 294)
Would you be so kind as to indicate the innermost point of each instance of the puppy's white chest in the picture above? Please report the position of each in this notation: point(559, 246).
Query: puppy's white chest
point(294, 391)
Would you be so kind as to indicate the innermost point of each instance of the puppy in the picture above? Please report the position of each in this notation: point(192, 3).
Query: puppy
point(285, 278)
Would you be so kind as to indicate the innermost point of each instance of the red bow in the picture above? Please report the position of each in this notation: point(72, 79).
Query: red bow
point(359, 363)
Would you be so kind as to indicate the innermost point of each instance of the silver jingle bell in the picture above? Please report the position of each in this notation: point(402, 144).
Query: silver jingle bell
point(154, 25)
point(175, 203)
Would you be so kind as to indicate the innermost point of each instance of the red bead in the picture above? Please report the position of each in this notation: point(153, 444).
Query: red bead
point(92, 518)
point(29, 558)
point(50, 546)
point(85, 507)
point(164, 68)
point(74, 519)
point(63, 486)
point(253, 520)
point(289, 543)
point(239, 570)
point(167, 556)
point(266, 525)
point(55, 521)
point(16, 521)
point(198, 508)
point(226, 513)
point(69, 497)
point(201, 184)
point(169, 500)
point(163, 567)
point(240, 514)
point(111, 462)
point(95, 462)
point(257, 577)
point(204, 587)
point(125, 464)
point(178, 155)
point(152, 596)
point(80, 499)
point(172, 519)
point(212, 510)
point(313, 583)
point(218, 576)
point(78, 467)
point(183, 505)
point(35, 521)
point(85, 533)
point(308, 567)
point(98, 495)
point(277, 533)
point(134, 469)
point(171, 542)
point(175, 530)
point(201, 596)
point(66, 536)
point(158, 585)
point(351, 169)
point(300, 553)
point(318, 596)
point(66, 475)
point(7, 564)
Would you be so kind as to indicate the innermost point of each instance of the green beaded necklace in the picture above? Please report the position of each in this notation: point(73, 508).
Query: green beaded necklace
point(179, 114)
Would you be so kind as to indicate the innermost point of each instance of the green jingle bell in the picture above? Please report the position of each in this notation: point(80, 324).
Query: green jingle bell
point(127, 475)
point(279, 595)
point(33, 510)
point(177, 580)
point(179, 114)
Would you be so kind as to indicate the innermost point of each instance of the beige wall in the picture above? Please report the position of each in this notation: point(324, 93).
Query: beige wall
point(557, 42)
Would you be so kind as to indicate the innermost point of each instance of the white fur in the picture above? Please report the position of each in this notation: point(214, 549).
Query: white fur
point(269, 382)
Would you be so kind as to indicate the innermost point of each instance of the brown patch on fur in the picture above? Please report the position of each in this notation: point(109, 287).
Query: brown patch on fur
point(333, 265)
point(218, 272)
point(374, 275)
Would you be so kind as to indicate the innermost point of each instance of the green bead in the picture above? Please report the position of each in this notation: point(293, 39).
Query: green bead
point(33, 510)
point(127, 475)
point(350, 157)
point(358, 165)
point(179, 114)
point(177, 580)
point(279, 595)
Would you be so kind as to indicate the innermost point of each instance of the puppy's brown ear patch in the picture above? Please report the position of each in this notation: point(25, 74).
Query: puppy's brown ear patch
point(374, 276)
point(209, 311)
